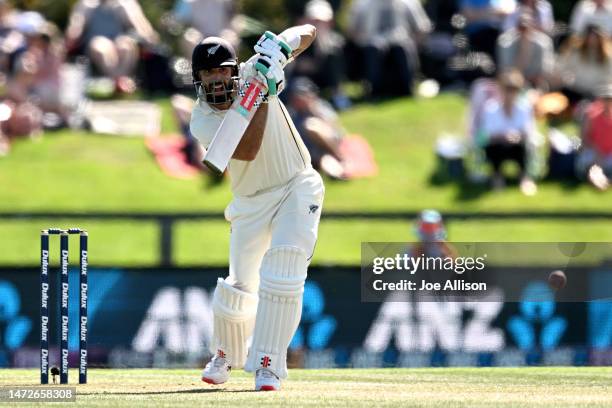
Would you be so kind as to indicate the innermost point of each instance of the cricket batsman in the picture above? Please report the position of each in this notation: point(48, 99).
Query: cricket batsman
point(274, 214)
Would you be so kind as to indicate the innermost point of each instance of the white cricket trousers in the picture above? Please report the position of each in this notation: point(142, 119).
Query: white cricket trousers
point(286, 215)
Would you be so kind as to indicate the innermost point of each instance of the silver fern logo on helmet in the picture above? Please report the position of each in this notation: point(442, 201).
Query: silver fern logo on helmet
point(212, 50)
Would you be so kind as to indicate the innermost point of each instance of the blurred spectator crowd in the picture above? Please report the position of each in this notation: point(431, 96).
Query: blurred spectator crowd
point(44, 72)
point(519, 64)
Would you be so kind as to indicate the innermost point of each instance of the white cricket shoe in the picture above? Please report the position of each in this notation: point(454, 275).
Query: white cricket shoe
point(218, 370)
point(266, 380)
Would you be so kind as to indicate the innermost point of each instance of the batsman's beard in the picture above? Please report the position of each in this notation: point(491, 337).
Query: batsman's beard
point(218, 92)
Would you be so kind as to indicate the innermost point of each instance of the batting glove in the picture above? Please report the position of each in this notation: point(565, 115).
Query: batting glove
point(247, 70)
point(273, 72)
point(274, 47)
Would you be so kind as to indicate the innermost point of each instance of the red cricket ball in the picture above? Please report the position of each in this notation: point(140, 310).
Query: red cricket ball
point(557, 280)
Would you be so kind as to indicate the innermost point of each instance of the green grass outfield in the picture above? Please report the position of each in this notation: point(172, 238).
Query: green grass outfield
point(430, 387)
point(79, 171)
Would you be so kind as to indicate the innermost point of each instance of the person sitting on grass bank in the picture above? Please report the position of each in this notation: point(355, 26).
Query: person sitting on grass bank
point(507, 128)
point(595, 159)
point(528, 50)
point(108, 32)
point(584, 64)
point(317, 122)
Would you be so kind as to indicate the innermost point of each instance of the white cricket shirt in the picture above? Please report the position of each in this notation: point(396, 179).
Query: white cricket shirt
point(282, 154)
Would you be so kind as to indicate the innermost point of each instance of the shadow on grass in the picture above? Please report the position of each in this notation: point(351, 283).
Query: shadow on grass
point(468, 191)
point(212, 181)
point(440, 177)
point(568, 184)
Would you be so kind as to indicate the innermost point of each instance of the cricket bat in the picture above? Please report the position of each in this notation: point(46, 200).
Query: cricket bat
point(233, 126)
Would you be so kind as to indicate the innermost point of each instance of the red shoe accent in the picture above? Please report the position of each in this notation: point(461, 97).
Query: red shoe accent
point(208, 381)
point(267, 388)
